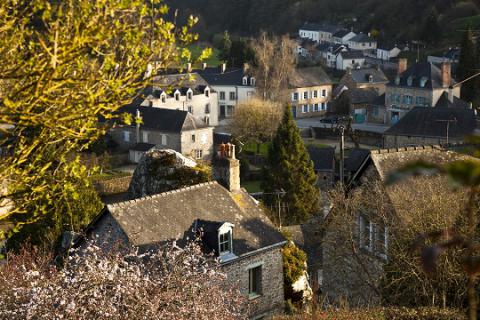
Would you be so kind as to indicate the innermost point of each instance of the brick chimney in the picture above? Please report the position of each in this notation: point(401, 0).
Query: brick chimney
point(226, 168)
point(402, 65)
point(446, 69)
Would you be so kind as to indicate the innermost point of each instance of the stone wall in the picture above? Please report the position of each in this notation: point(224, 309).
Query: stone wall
point(113, 185)
point(391, 141)
point(203, 141)
point(271, 301)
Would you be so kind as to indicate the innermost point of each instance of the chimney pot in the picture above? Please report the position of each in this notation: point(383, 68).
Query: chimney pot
point(204, 66)
point(189, 67)
point(402, 65)
point(224, 67)
point(446, 74)
point(226, 168)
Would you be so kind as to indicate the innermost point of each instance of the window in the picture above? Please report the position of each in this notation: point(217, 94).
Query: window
point(225, 242)
point(324, 93)
point(255, 281)
point(177, 96)
point(207, 93)
point(365, 233)
point(305, 95)
point(190, 109)
point(315, 93)
point(189, 95)
point(207, 120)
point(232, 95)
point(193, 138)
point(295, 96)
point(164, 98)
point(145, 137)
point(126, 136)
point(305, 108)
point(421, 101)
point(407, 99)
point(207, 108)
point(198, 154)
point(380, 240)
point(324, 106)
point(375, 111)
point(252, 81)
point(244, 81)
point(164, 139)
point(222, 95)
point(315, 107)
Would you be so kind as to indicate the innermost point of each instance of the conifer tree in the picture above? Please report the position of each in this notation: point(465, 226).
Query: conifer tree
point(467, 66)
point(290, 169)
point(225, 46)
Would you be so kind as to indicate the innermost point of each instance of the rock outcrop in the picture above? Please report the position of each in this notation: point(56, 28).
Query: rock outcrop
point(162, 170)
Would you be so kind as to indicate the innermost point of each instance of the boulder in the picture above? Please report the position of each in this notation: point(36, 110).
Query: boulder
point(161, 170)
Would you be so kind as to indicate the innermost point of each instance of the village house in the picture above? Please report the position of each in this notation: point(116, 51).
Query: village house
point(350, 60)
point(365, 78)
point(186, 92)
point(233, 85)
point(362, 42)
point(419, 85)
point(329, 52)
point(229, 223)
point(451, 56)
point(376, 111)
point(172, 129)
point(356, 250)
point(318, 32)
point(386, 52)
point(355, 102)
point(438, 125)
point(310, 92)
point(342, 36)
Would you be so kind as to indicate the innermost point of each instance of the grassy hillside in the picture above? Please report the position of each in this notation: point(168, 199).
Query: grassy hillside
point(395, 20)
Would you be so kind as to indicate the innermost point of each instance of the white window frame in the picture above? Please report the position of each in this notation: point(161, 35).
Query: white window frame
point(295, 96)
point(363, 223)
point(227, 243)
point(245, 81)
point(145, 136)
point(189, 94)
point(190, 109)
point(324, 93)
point(126, 136)
point(198, 153)
point(164, 139)
point(232, 96)
point(222, 95)
point(252, 81)
point(315, 93)
point(304, 108)
point(305, 95)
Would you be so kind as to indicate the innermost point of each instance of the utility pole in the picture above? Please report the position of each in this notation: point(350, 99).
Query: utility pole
point(454, 120)
point(342, 153)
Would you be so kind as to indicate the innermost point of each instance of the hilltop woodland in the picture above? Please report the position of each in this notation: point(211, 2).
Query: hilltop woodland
point(389, 20)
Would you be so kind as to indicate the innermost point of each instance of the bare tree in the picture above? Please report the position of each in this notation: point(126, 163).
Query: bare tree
point(256, 121)
point(275, 60)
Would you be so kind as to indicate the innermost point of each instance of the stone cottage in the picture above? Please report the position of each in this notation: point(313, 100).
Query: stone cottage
point(229, 222)
point(171, 129)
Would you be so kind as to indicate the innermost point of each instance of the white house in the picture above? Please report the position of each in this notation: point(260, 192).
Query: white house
point(342, 36)
point(317, 32)
point(387, 53)
point(329, 53)
point(350, 59)
point(233, 86)
point(362, 42)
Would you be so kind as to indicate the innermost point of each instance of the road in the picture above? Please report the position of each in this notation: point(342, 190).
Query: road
point(315, 122)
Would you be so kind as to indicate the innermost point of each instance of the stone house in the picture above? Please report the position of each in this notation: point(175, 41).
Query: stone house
point(186, 92)
point(171, 129)
point(419, 85)
point(233, 86)
point(451, 56)
point(228, 221)
point(353, 261)
point(342, 36)
point(376, 111)
point(353, 59)
point(422, 126)
point(362, 42)
point(328, 53)
point(310, 91)
point(355, 102)
point(365, 78)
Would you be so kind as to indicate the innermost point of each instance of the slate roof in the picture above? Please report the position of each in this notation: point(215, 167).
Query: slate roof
point(379, 101)
point(164, 119)
point(142, 146)
point(427, 70)
point(231, 77)
point(362, 75)
point(355, 158)
point(221, 137)
point(308, 77)
point(361, 96)
point(423, 122)
point(444, 102)
point(174, 81)
point(319, 27)
point(323, 158)
point(341, 33)
point(171, 216)
point(353, 54)
point(362, 37)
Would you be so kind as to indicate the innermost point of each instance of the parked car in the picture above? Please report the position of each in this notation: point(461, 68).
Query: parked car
point(329, 119)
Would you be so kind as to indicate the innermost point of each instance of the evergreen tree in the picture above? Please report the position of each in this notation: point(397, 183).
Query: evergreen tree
point(289, 168)
point(467, 65)
point(240, 53)
point(431, 28)
point(225, 47)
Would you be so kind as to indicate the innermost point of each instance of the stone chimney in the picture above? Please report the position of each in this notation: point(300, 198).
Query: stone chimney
point(223, 67)
point(446, 70)
point(204, 66)
point(226, 168)
point(189, 67)
point(402, 65)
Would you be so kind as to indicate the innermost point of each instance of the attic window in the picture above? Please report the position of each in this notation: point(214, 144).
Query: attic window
point(370, 78)
point(163, 97)
point(423, 81)
point(225, 242)
point(244, 81)
point(409, 81)
point(177, 96)
point(207, 93)
point(252, 81)
point(189, 95)
point(397, 80)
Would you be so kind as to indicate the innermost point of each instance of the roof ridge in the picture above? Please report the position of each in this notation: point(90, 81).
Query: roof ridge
point(162, 194)
point(409, 149)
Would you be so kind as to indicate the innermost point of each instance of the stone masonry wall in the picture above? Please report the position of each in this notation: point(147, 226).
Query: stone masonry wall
point(391, 141)
point(112, 186)
point(271, 301)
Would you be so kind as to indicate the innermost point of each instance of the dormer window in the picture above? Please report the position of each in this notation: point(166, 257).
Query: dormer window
point(370, 78)
point(245, 81)
point(190, 95)
point(423, 81)
point(177, 96)
point(252, 81)
point(163, 97)
point(409, 81)
point(397, 80)
point(225, 245)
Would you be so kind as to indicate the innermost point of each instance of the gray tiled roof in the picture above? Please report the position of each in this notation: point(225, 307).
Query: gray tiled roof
point(362, 38)
point(171, 216)
point(362, 75)
point(457, 103)
point(353, 54)
point(430, 72)
point(424, 122)
point(341, 33)
point(361, 96)
point(320, 27)
point(231, 77)
point(323, 158)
